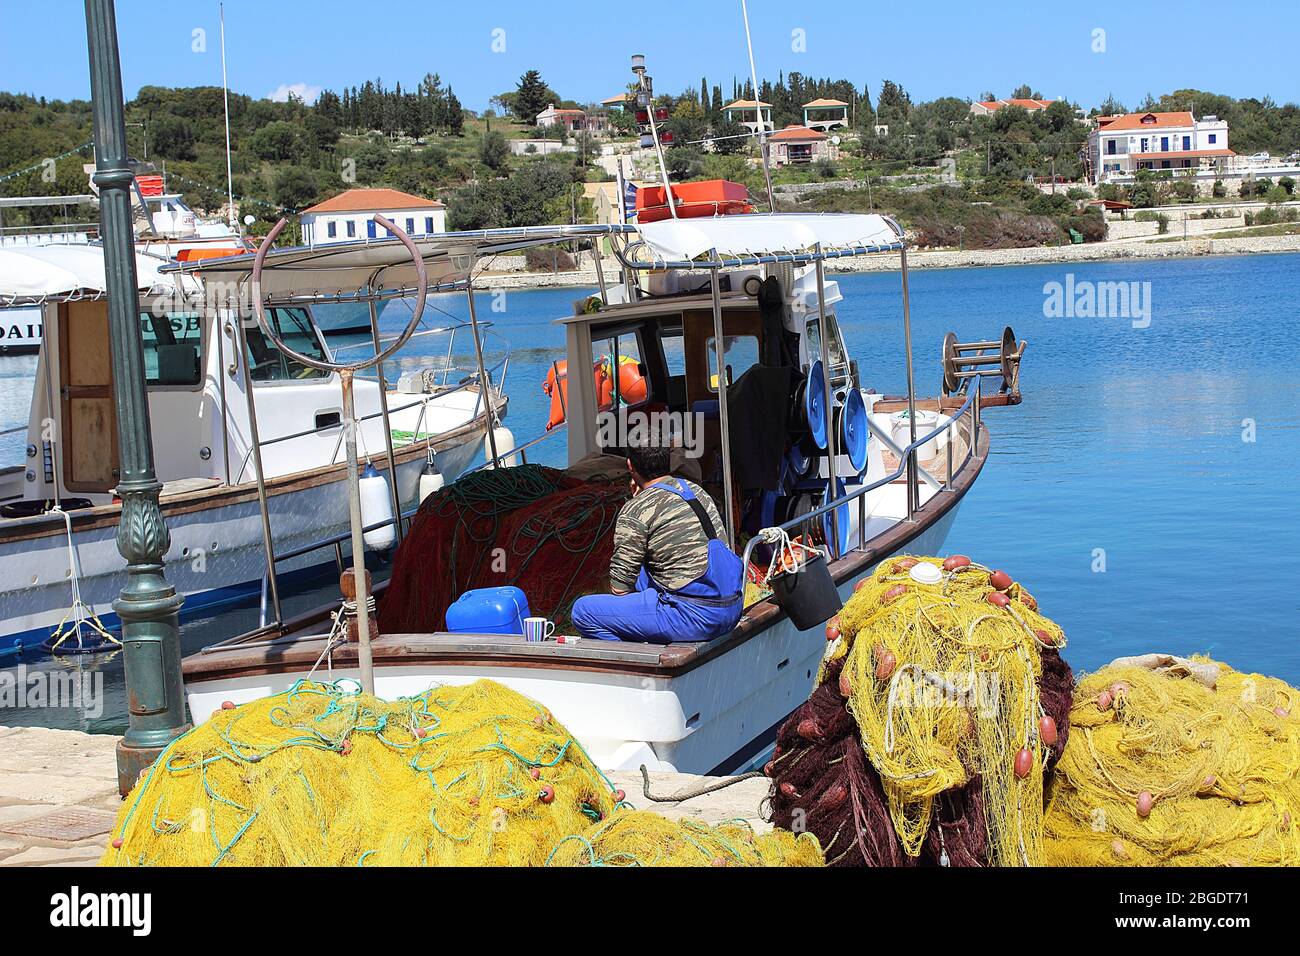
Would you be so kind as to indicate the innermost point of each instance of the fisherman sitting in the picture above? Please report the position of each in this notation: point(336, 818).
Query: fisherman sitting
point(673, 578)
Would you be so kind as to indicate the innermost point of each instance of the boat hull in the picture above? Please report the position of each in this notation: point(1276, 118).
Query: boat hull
point(719, 717)
point(216, 555)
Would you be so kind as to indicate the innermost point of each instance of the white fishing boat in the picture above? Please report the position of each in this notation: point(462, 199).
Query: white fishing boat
point(696, 295)
point(247, 444)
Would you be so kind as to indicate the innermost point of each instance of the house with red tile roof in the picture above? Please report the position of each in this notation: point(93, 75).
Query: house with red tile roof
point(1120, 146)
point(797, 145)
point(989, 107)
point(570, 119)
point(350, 216)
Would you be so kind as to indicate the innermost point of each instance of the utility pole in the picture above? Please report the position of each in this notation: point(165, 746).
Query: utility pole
point(148, 605)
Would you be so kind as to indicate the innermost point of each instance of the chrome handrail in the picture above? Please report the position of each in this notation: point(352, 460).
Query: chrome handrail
point(971, 403)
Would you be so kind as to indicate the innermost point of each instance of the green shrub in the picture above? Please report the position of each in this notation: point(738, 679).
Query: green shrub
point(1219, 190)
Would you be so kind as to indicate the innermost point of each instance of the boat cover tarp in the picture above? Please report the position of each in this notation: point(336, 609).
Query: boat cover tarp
point(33, 274)
point(673, 240)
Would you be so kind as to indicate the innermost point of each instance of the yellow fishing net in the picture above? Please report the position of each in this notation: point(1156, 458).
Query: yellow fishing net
point(318, 776)
point(643, 838)
point(1178, 763)
point(941, 668)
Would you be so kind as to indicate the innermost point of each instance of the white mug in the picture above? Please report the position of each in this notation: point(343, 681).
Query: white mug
point(537, 629)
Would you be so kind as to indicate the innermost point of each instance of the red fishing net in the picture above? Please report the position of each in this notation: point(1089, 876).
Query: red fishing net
point(538, 529)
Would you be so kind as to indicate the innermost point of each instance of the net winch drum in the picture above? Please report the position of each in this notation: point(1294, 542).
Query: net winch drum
point(807, 594)
point(854, 432)
point(963, 361)
point(814, 404)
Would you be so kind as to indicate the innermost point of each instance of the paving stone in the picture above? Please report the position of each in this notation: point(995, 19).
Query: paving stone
point(66, 824)
point(80, 855)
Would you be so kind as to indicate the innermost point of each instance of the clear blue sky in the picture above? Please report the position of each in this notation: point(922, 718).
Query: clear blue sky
point(932, 47)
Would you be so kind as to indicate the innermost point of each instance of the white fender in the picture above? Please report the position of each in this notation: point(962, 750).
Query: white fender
point(505, 442)
point(376, 506)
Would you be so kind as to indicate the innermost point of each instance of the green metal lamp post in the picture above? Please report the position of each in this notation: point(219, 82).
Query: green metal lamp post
point(148, 605)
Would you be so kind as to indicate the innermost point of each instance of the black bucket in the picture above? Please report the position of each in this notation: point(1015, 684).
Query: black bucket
point(807, 595)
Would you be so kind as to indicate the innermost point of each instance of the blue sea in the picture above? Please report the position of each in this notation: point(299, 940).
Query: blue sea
point(1145, 490)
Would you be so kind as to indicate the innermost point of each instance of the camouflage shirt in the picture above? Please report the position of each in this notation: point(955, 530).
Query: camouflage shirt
point(659, 530)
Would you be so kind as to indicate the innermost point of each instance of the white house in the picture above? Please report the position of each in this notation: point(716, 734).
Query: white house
point(989, 107)
point(1119, 146)
point(570, 119)
point(350, 216)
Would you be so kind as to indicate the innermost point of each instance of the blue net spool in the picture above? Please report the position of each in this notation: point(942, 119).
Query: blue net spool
point(853, 429)
point(814, 404)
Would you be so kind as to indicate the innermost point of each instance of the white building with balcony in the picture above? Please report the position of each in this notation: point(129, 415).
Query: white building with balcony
point(350, 216)
point(1119, 146)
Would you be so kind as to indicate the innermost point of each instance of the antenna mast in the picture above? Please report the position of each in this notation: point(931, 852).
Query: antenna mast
point(758, 111)
point(225, 96)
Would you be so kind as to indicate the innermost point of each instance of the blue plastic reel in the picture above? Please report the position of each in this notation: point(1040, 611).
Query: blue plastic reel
point(842, 513)
point(814, 404)
point(854, 430)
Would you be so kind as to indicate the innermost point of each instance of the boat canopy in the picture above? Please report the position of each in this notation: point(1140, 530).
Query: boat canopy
point(33, 275)
point(377, 266)
point(759, 237)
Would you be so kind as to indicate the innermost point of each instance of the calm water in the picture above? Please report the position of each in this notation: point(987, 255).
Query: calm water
point(1123, 492)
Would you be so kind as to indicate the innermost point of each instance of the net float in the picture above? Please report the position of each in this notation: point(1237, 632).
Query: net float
point(846, 688)
point(227, 705)
point(955, 561)
point(860, 585)
point(1119, 689)
point(719, 861)
point(1286, 820)
point(535, 773)
point(769, 769)
point(885, 665)
point(898, 590)
point(1117, 847)
point(419, 732)
point(1047, 730)
point(1024, 762)
point(1045, 637)
point(1000, 580)
point(1281, 712)
point(1104, 700)
point(833, 629)
point(787, 789)
point(1028, 600)
point(619, 796)
point(539, 721)
point(346, 748)
point(997, 599)
point(117, 844)
point(1144, 803)
point(809, 729)
point(1209, 782)
point(834, 796)
point(473, 801)
point(546, 794)
point(905, 564)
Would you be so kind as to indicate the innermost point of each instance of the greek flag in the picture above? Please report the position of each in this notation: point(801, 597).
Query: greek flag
point(629, 201)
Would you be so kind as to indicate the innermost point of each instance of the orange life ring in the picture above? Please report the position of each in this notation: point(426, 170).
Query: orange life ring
point(632, 387)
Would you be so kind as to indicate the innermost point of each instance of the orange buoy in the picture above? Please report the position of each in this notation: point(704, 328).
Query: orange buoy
point(1117, 847)
point(1024, 762)
point(347, 747)
point(787, 788)
point(833, 628)
point(1144, 804)
point(1028, 600)
point(1281, 712)
point(846, 689)
point(1104, 700)
point(719, 861)
point(1047, 730)
point(885, 665)
point(546, 794)
point(227, 705)
point(535, 773)
point(769, 768)
point(809, 729)
point(1045, 637)
point(1000, 580)
point(898, 590)
point(117, 844)
point(905, 564)
point(955, 561)
point(619, 796)
point(998, 599)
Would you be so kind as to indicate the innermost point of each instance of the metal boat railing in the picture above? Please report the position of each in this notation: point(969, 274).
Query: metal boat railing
point(908, 465)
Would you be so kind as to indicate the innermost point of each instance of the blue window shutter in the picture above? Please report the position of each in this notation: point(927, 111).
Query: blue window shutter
point(331, 229)
point(428, 224)
point(370, 229)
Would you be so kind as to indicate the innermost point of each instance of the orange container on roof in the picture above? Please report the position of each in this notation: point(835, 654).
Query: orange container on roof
point(712, 197)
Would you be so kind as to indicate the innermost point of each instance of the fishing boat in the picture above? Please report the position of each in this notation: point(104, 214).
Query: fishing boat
point(247, 444)
point(704, 305)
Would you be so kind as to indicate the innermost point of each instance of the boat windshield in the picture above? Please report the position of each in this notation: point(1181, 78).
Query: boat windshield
point(835, 346)
point(266, 363)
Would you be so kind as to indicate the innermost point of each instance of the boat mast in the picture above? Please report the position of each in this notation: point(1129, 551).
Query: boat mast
point(225, 96)
point(645, 97)
point(758, 111)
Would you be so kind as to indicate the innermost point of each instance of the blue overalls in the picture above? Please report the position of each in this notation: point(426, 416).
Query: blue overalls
point(708, 607)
